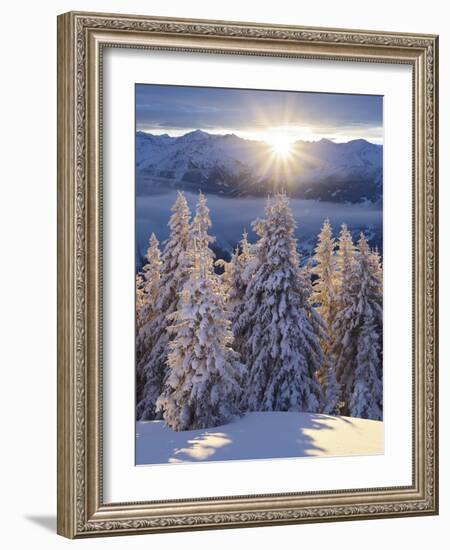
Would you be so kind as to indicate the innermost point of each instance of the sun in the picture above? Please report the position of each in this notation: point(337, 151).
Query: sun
point(280, 144)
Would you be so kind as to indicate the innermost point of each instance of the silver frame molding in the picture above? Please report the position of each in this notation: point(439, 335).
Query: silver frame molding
point(81, 39)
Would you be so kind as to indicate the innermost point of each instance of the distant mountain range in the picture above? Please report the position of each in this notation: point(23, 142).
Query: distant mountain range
point(231, 166)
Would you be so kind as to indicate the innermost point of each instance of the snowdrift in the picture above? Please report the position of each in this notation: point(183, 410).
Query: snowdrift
point(260, 435)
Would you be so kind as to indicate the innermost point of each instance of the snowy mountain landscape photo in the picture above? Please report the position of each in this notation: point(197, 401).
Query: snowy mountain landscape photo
point(259, 274)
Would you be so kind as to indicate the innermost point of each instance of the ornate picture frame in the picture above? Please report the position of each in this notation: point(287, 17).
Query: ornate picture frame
point(82, 38)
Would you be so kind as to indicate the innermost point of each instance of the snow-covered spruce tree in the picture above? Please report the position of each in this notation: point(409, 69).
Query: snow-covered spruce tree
point(199, 231)
point(203, 386)
point(235, 279)
point(283, 352)
point(151, 277)
point(345, 256)
point(324, 288)
point(376, 269)
point(366, 400)
point(358, 337)
point(330, 387)
point(146, 298)
point(342, 346)
point(174, 271)
point(324, 296)
point(375, 262)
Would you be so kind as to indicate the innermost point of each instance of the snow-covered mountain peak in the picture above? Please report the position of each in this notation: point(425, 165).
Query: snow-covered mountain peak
point(195, 135)
point(233, 166)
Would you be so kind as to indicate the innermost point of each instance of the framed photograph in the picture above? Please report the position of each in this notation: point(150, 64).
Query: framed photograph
point(247, 283)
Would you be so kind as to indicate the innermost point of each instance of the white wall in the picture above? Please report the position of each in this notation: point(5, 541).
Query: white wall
point(28, 282)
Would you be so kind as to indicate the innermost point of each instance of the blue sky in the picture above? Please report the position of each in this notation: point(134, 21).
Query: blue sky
point(258, 114)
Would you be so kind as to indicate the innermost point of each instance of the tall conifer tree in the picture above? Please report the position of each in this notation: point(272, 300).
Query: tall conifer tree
point(236, 276)
point(325, 297)
point(151, 279)
point(203, 386)
point(358, 343)
point(283, 351)
point(174, 271)
point(147, 292)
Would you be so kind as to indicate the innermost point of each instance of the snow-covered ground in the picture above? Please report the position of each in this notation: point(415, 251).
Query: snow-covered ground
point(260, 435)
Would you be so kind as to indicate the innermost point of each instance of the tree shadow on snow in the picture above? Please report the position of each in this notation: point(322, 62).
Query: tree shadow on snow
point(256, 435)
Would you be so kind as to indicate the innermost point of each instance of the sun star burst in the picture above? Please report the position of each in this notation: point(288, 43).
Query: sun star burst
point(280, 145)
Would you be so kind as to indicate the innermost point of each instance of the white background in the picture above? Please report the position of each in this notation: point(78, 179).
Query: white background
point(28, 274)
point(123, 481)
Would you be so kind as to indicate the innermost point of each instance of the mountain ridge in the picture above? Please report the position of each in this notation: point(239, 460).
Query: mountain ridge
point(228, 165)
